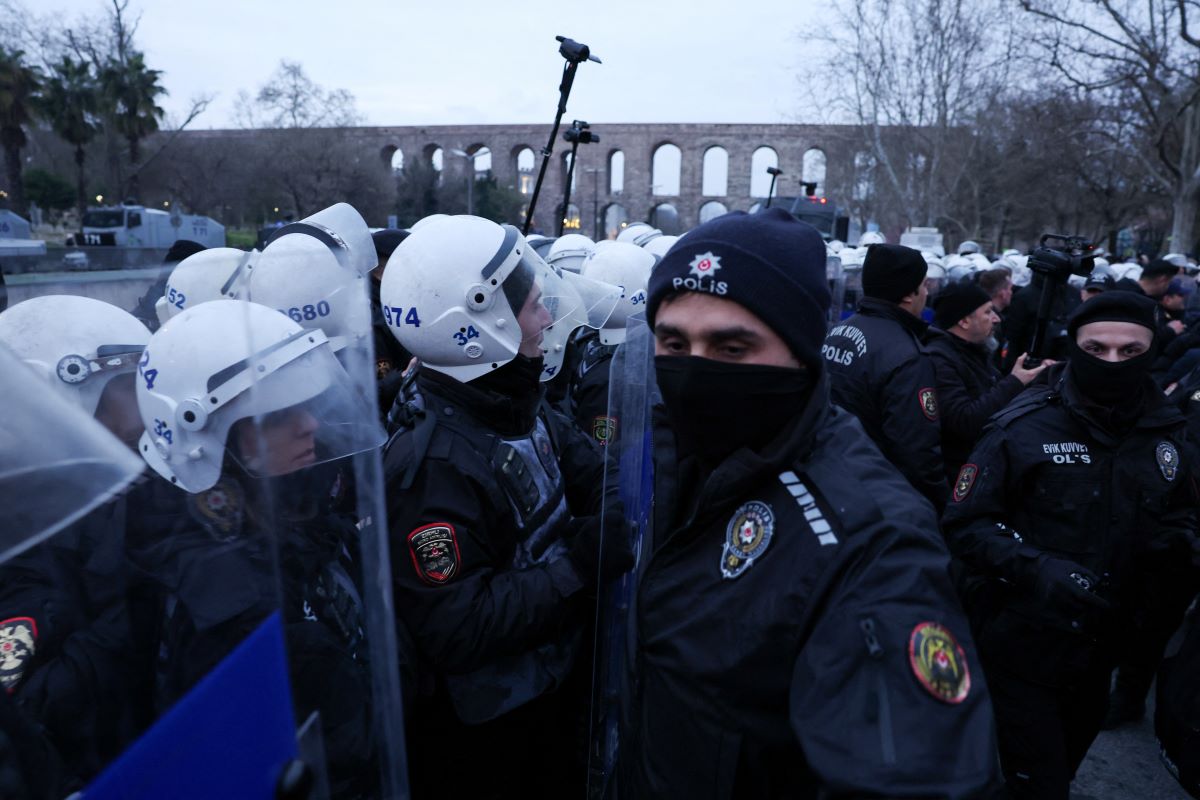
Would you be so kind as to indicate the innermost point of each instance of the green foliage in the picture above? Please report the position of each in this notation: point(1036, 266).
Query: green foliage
point(48, 190)
point(241, 238)
point(498, 203)
point(71, 101)
point(19, 86)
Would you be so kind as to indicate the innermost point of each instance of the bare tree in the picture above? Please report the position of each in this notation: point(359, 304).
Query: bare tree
point(1141, 56)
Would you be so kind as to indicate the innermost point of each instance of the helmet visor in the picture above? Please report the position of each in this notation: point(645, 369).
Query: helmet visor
point(304, 411)
point(56, 462)
point(539, 298)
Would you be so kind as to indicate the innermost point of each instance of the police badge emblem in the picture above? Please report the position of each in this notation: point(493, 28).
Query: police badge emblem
point(746, 538)
point(929, 406)
point(705, 264)
point(1168, 460)
point(219, 510)
point(938, 662)
point(604, 429)
point(964, 482)
point(18, 643)
point(434, 551)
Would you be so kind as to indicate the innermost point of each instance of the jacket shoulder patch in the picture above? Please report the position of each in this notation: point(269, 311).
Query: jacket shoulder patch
point(927, 397)
point(939, 663)
point(434, 552)
point(964, 481)
point(18, 643)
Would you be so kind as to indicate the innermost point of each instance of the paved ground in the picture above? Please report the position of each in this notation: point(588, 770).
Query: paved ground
point(1124, 765)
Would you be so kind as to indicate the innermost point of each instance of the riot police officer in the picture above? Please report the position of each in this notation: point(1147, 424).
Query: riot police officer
point(880, 372)
point(1078, 495)
point(795, 621)
point(492, 506)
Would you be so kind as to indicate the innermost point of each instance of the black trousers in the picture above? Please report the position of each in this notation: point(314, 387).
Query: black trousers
point(1044, 732)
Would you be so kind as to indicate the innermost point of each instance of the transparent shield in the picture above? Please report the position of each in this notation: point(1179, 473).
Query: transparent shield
point(593, 304)
point(237, 640)
point(837, 288)
point(539, 298)
point(56, 462)
point(629, 462)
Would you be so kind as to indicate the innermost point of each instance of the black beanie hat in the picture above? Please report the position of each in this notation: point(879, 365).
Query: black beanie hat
point(386, 241)
point(1115, 307)
point(892, 271)
point(181, 250)
point(957, 301)
point(769, 262)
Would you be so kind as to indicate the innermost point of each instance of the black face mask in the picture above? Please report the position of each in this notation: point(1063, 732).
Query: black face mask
point(1109, 383)
point(716, 407)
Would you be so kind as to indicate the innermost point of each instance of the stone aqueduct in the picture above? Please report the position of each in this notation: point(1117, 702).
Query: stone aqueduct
point(674, 175)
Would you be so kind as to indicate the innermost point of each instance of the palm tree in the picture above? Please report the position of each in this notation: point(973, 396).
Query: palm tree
point(132, 89)
point(19, 85)
point(70, 102)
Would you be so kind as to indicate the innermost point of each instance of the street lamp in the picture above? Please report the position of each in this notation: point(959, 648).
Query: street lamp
point(774, 172)
point(99, 199)
point(471, 173)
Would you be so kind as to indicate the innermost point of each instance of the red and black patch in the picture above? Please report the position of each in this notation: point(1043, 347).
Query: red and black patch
point(18, 643)
point(939, 662)
point(964, 482)
point(604, 429)
point(929, 406)
point(434, 550)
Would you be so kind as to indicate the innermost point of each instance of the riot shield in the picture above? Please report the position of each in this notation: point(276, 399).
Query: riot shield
point(628, 463)
point(231, 609)
point(837, 288)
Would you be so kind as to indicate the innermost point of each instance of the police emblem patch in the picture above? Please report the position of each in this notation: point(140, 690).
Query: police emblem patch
point(18, 643)
point(219, 510)
point(928, 399)
point(434, 551)
point(939, 663)
point(1196, 396)
point(964, 482)
point(383, 366)
point(705, 264)
point(746, 538)
point(604, 429)
point(1168, 460)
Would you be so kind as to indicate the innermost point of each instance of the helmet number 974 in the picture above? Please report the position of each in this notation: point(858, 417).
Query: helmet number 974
point(464, 335)
point(394, 315)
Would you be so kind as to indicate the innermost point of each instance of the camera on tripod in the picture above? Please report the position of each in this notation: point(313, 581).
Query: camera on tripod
point(580, 133)
point(1075, 256)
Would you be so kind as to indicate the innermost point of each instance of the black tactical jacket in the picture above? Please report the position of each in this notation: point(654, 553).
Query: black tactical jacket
point(773, 623)
point(969, 390)
point(1051, 477)
point(880, 372)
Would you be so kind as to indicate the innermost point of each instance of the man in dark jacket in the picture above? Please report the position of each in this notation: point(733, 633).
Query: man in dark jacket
point(969, 388)
point(1078, 495)
point(794, 618)
point(879, 370)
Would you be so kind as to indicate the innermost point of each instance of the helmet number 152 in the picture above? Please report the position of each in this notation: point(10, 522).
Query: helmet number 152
point(394, 315)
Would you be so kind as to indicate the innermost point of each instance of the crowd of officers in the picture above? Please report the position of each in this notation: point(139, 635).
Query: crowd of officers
point(885, 558)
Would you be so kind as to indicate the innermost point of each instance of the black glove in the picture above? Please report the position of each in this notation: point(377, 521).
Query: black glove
point(600, 552)
point(1067, 586)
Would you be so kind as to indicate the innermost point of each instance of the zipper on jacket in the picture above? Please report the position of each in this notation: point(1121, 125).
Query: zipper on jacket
point(883, 705)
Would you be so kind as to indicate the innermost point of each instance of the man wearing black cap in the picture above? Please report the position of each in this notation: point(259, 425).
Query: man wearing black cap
point(795, 628)
point(1077, 496)
point(879, 370)
point(969, 388)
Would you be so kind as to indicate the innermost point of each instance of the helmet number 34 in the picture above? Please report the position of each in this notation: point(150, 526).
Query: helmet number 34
point(394, 315)
point(465, 335)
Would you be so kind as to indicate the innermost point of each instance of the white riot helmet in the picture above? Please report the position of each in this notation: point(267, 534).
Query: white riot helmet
point(77, 344)
point(871, 237)
point(300, 276)
point(958, 268)
point(627, 266)
point(1176, 260)
point(569, 251)
point(343, 230)
point(835, 246)
point(207, 275)
point(968, 247)
point(639, 233)
point(660, 245)
point(432, 218)
point(978, 261)
point(593, 303)
point(1021, 273)
point(225, 361)
point(456, 291)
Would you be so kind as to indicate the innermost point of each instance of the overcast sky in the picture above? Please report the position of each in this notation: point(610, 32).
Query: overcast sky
point(484, 62)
